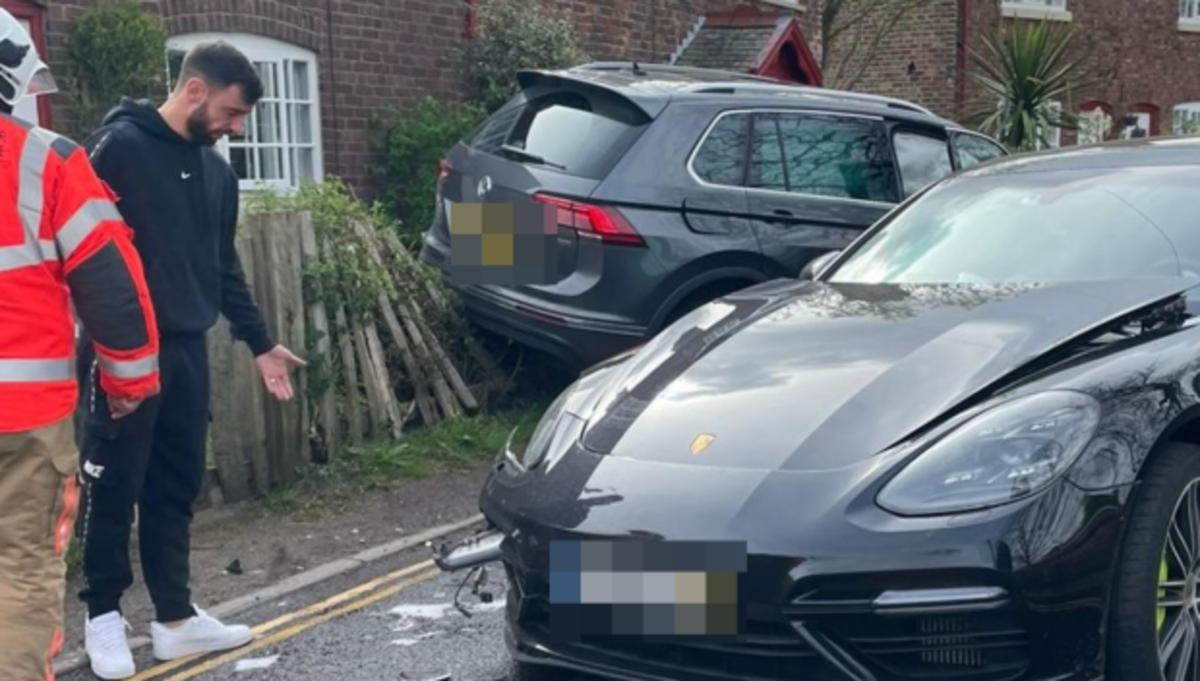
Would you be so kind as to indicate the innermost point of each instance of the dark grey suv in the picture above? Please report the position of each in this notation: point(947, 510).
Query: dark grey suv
point(676, 186)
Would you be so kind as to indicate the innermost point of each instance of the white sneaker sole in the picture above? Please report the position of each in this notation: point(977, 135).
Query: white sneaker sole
point(167, 656)
point(113, 676)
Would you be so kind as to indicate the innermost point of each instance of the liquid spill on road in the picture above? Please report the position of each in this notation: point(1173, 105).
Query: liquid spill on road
point(439, 611)
point(255, 663)
point(413, 617)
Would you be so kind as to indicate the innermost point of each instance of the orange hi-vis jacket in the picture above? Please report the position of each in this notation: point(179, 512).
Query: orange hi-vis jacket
point(62, 240)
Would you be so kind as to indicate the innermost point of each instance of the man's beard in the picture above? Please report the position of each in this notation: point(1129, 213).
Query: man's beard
point(198, 128)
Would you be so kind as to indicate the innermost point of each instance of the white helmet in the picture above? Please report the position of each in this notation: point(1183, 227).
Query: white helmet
point(21, 71)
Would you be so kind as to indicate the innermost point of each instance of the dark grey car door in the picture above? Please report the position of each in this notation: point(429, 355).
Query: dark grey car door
point(815, 181)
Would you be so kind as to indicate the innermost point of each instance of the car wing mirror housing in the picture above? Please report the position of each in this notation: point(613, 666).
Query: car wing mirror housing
point(817, 264)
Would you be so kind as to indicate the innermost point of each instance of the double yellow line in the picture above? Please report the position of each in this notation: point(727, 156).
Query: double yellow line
point(286, 626)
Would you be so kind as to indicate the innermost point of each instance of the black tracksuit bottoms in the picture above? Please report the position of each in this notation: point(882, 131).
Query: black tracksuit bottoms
point(153, 458)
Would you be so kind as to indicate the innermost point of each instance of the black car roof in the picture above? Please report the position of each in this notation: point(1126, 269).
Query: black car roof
point(652, 86)
point(1145, 152)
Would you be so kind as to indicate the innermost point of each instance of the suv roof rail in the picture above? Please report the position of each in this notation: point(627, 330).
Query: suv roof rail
point(809, 91)
point(636, 67)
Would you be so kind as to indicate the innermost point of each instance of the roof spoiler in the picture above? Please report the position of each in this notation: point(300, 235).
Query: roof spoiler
point(650, 105)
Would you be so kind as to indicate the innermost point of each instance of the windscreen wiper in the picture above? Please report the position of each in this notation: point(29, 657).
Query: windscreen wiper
point(522, 155)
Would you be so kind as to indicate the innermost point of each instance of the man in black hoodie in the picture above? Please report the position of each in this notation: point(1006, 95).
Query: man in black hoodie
point(181, 199)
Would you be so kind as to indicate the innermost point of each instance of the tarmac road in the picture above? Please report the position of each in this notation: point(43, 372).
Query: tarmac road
point(392, 620)
point(416, 635)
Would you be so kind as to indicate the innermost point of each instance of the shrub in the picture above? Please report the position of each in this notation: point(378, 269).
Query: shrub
point(1024, 71)
point(412, 145)
point(515, 35)
point(113, 51)
point(348, 274)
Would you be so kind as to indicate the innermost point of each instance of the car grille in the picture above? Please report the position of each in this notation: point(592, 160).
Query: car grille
point(979, 646)
point(762, 651)
point(975, 646)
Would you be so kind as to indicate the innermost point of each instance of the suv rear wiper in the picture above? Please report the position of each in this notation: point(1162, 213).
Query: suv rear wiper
point(522, 155)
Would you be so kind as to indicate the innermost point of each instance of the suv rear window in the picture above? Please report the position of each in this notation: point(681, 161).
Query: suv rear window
point(579, 133)
point(493, 133)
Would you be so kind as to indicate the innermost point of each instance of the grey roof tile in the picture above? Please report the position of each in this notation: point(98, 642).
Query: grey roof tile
point(721, 47)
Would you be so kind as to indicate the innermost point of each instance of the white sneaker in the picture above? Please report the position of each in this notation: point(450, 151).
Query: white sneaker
point(107, 648)
point(200, 634)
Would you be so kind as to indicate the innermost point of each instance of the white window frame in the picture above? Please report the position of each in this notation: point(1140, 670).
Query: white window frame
point(1054, 138)
point(259, 49)
point(1127, 131)
point(1182, 112)
point(1055, 10)
point(1189, 15)
point(1103, 120)
point(797, 5)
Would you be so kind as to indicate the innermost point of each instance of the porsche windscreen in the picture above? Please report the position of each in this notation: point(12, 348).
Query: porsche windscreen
point(1038, 227)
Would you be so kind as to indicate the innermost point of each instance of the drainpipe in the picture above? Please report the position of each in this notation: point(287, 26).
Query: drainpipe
point(336, 94)
point(654, 30)
point(964, 49)
point(469, 28)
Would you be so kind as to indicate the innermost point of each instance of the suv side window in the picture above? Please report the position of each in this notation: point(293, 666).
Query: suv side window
point(923, 160)
point(766, 155)
point(973, 150)
point(836, 156)
point(721, 159)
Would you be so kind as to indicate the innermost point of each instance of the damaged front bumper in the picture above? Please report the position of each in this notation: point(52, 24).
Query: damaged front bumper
point(471, 552)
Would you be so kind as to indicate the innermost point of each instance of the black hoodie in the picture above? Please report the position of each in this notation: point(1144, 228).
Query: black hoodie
point(181, 199)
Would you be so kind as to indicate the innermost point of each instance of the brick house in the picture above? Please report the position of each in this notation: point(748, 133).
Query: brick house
point(1144, 53)
point(333, 67)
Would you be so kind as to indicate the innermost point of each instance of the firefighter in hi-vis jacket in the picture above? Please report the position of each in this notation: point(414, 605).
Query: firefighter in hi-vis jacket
point(61, 240)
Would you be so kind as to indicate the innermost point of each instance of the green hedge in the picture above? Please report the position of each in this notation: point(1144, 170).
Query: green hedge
point(515, 35)
point(113, 51)
point(412, 145)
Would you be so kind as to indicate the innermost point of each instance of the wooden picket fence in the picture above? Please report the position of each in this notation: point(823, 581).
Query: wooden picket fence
point(258, 443)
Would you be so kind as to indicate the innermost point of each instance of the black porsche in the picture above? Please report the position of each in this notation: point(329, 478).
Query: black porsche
point(968, 448)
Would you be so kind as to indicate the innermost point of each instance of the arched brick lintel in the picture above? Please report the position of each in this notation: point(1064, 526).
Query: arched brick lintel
point(267, 18)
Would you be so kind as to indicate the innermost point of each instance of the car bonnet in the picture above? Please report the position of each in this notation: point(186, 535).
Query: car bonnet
point(815, 376)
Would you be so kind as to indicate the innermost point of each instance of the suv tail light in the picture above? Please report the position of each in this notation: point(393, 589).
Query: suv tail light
point(605, 222)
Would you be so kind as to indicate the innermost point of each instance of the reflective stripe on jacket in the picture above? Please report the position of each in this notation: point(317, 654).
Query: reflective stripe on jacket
point(62, 240)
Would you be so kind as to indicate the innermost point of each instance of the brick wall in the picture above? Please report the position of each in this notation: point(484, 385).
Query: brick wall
point(642, 30)
point(379, 55)
point(1137, 54)
point(376, 56)
point(915, 57)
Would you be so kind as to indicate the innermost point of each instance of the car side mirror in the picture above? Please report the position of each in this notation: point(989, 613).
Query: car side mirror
point(814, 266)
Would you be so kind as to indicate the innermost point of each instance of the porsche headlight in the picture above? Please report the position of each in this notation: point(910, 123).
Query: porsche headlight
point(1004, 454)
point(527, 453)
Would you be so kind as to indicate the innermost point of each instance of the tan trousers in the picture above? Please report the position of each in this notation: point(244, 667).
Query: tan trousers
point(38, 500)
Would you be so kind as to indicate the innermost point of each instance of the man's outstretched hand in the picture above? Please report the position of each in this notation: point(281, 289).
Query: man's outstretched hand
point(120, 407)
point(273, 366)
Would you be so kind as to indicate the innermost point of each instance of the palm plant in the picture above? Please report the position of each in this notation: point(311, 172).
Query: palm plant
point(1027, 70)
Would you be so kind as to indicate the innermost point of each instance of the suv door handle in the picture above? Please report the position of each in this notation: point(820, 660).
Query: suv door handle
point(782, 213)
